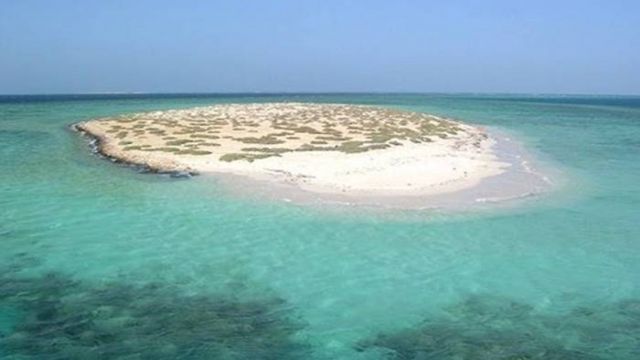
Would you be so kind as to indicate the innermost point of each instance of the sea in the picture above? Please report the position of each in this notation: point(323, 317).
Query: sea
point(100, 260)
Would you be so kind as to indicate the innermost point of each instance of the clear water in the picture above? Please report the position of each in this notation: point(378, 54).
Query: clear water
point(100, 261)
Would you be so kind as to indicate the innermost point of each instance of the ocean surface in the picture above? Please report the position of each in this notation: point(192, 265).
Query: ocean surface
point(101, 261)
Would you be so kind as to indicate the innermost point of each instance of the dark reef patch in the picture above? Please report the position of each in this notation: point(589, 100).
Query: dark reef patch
point(60, 318)
point(495, 328)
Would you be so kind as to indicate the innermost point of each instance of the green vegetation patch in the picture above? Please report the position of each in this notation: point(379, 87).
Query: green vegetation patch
point(267, 139)
point(204, 136)
point(244, 156)
point(164, 149)
point(193, 152)
point(267, 150)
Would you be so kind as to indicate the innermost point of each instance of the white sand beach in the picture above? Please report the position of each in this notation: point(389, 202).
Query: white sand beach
point(322, 148)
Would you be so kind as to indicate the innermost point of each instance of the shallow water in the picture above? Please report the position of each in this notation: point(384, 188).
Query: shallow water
point(99, 261)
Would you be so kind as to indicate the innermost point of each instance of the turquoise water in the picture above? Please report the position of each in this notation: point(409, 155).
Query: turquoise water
point(100, 261)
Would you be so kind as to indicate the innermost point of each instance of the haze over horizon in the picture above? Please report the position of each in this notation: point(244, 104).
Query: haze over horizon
point(544, 47)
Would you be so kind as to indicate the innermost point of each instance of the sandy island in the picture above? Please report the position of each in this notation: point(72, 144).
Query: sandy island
point(350, 150)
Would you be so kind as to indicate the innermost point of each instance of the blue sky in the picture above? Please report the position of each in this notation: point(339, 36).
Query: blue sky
point(84, 46)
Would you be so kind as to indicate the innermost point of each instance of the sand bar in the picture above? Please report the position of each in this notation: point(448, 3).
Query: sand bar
point(350, 150)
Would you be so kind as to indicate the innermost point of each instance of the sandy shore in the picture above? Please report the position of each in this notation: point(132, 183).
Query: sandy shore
point(350, 150)
point(523, 179)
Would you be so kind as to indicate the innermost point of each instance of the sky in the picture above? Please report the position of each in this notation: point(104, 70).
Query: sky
point(499, 46)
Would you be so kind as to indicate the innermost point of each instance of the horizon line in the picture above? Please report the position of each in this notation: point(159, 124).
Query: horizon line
point(267, 93)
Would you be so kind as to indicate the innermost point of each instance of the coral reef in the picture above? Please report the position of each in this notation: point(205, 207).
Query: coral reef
point(60, 318)
point(495, 328)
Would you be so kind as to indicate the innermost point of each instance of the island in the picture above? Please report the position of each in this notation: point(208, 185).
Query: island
point(324, 148)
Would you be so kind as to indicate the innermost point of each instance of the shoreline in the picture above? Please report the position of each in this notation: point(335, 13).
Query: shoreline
point(442, 173)
point(523, 180)
point(96, 142)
